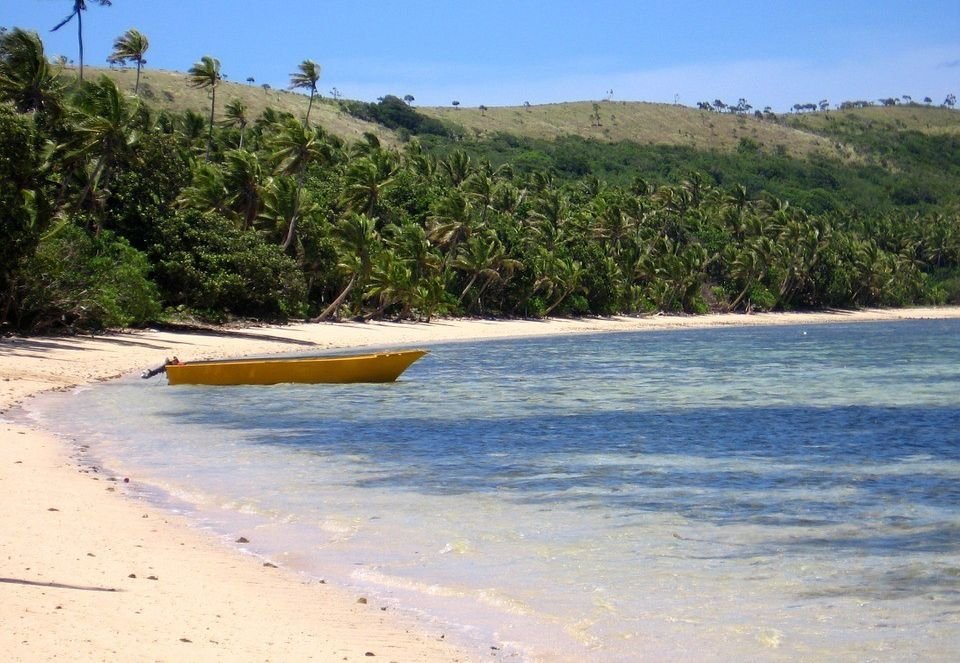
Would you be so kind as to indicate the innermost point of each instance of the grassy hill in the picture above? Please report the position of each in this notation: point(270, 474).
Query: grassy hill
point(169, 90)
point(642, 123)
point(638, 122)
point(931, 120)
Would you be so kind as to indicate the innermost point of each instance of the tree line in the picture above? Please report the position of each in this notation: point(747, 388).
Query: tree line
point(114, 213)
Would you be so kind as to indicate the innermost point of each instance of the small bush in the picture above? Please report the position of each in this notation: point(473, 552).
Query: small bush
point(947, 288)
point(75, 280)
point(761, 298)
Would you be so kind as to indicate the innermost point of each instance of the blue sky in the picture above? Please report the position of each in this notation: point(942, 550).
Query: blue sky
point(500, 52)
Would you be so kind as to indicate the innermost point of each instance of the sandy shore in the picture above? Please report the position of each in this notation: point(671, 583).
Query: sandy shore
point(87, 572)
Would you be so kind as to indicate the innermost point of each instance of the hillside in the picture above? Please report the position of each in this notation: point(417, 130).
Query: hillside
point(642, 123)
point(169, 90)
point(647, 124)
point(931, 120)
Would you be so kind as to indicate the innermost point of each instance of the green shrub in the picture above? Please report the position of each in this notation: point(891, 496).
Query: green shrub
point(208, 264)
point(19, 222)
point(761, 299)
point(577, 305)
point(394, 113)
point(75, 280)
point(946, 287)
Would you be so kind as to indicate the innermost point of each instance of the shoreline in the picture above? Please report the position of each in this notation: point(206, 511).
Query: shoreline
point(90, 575)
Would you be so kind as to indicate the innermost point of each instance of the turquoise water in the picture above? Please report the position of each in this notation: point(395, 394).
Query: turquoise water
point(777, 493)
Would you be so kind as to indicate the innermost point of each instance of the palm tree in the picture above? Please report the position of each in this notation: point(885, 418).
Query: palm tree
point(244, 181)
point(876, 271)
point(747, 266)
point(365, 180)
point(566, 279)
point(391, 282)
point(357, 238)
point(131, 45)
point(102, 130)
point(306, 79)
point(281, 204)
point(206, 74)
point(297, 147)
point(451, 221)
point(236, 116)
point(79, 6)
point(409, 241)
point(192, 127)
point(480, 186)
point(206, 191)
point(550, 212)
point(457, 167)
point(483, 257)
point(26, 77)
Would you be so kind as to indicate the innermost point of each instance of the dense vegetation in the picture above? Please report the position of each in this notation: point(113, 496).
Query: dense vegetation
point(114, 213)
point(393, 113)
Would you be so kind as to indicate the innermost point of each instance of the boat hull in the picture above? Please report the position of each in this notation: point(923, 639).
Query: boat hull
point(374, 367)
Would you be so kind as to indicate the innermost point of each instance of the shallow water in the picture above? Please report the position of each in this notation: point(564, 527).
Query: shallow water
point(775, 493)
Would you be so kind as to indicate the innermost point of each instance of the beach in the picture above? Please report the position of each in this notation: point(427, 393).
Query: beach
point(91, 573)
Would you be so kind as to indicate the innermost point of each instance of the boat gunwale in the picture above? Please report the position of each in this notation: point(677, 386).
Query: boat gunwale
point(298, 359)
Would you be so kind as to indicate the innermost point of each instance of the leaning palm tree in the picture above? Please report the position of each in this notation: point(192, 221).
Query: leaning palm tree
point(130, 46)
point(391, 282)
point(206, 74)
point(26, 77)
point(483, 257)
point(306, 79)
point(102, 131)
point(357, 239)
point(79, 6)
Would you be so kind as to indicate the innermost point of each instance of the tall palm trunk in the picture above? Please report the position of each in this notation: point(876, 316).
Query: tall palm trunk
point(473, 280)
point(739, 298)
point(213, 106)
point(566, 293)
point(98, 171)
point(309, 106)
point(250, 213)
point(337, 303)
point(80, 40)
point(292, 227)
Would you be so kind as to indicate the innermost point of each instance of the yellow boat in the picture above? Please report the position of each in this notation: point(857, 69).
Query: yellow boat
point(339, 369)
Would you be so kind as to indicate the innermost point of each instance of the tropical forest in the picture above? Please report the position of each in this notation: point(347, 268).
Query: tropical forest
point(131, 197)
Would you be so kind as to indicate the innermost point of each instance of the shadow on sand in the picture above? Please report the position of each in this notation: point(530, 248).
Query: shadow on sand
point(57, 585)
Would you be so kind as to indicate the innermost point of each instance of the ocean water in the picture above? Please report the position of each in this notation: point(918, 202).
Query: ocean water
point(781, 493)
